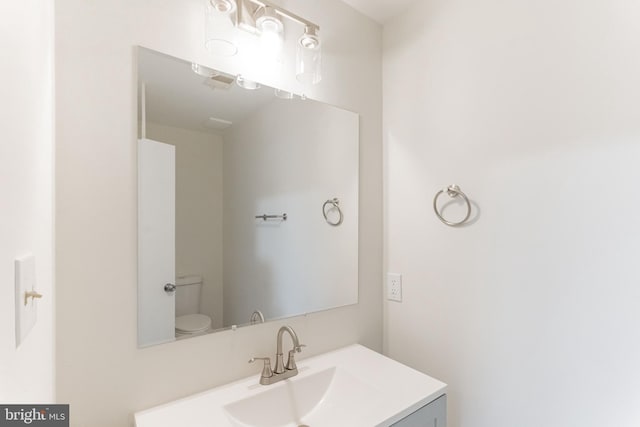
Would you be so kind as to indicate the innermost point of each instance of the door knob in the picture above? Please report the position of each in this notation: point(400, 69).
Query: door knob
point(169, 288)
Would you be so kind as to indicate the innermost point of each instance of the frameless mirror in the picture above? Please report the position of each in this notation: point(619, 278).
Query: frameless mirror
point(247, 202)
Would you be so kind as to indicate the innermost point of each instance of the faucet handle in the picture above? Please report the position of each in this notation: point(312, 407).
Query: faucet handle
point(266, 369)
point(291, 361)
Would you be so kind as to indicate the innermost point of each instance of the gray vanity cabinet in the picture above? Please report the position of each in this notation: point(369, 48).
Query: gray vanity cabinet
point(432, 415)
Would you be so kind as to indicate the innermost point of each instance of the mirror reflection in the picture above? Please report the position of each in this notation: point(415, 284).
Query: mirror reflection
point(247, 202)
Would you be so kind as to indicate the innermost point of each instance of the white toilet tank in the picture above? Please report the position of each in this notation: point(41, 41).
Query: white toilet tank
point(188, 290)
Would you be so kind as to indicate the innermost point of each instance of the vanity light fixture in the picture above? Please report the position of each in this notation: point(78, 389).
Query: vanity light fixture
point(264, 19)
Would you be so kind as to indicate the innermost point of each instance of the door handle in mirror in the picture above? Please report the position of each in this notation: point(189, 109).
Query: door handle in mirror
point(169, 288)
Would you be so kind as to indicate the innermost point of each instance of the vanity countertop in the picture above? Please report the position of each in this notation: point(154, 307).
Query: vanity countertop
point(360, 388)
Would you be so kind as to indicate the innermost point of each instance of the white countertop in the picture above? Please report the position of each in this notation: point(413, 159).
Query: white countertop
point(390, 392)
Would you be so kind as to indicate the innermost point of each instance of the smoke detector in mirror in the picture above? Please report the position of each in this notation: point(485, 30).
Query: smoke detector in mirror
point(221, 81)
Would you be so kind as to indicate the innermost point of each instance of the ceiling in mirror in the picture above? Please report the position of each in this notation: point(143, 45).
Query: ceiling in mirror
point(178, 96)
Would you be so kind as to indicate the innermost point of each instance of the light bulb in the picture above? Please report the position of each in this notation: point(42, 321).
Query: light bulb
point(267, 20)
point(310, 39)
point(271, 31)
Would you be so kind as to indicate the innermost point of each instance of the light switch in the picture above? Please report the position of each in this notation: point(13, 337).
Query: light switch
point(26, 296)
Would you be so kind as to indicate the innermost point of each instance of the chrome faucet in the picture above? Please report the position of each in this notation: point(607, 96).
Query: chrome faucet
point(281, 372)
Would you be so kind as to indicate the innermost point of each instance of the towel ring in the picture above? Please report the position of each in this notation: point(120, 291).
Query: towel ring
point(256, 317)
point(335, 204)
point(452, 191)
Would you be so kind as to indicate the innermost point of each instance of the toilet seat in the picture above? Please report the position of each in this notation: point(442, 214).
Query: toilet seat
point(192, 323)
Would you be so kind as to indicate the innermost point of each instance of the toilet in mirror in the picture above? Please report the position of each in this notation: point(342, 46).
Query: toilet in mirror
point(189, 320)
point(247, 201)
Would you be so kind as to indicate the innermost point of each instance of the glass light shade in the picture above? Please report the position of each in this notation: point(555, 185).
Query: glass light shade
point(203, 71)
point(309, 58)
point(271, 44)
point(247, 84)
point(220, 33)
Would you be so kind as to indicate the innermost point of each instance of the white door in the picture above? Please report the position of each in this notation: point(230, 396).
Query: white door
point(156, 242)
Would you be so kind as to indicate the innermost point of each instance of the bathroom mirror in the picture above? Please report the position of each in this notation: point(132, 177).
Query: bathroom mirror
point(247, 202)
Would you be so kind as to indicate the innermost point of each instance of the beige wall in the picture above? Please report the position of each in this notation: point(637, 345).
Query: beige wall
point(290, 156)
point(100, 371)
point(198, 210)
point(530, 313)
point(26, 193)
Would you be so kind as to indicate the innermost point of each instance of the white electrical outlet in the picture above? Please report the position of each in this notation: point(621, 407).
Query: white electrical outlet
point(394, 287)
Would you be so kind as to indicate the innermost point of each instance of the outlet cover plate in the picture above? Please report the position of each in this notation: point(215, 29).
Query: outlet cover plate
point(394, 287)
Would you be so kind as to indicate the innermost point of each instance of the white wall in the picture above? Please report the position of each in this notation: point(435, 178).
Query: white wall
point(531, 312)
point(198, 210)
point(26, 160)
point(290, 156)
point(100, 370)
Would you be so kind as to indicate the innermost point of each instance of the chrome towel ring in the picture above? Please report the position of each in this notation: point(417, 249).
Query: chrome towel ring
point(452, 191)
point(256, 317)
point(335, 204)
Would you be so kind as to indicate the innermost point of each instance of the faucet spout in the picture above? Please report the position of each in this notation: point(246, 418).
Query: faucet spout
point(280, 368)
point(294, 338)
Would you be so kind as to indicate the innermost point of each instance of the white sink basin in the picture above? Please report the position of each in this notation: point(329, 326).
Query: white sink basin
point(350, 387)
point(316, 400)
